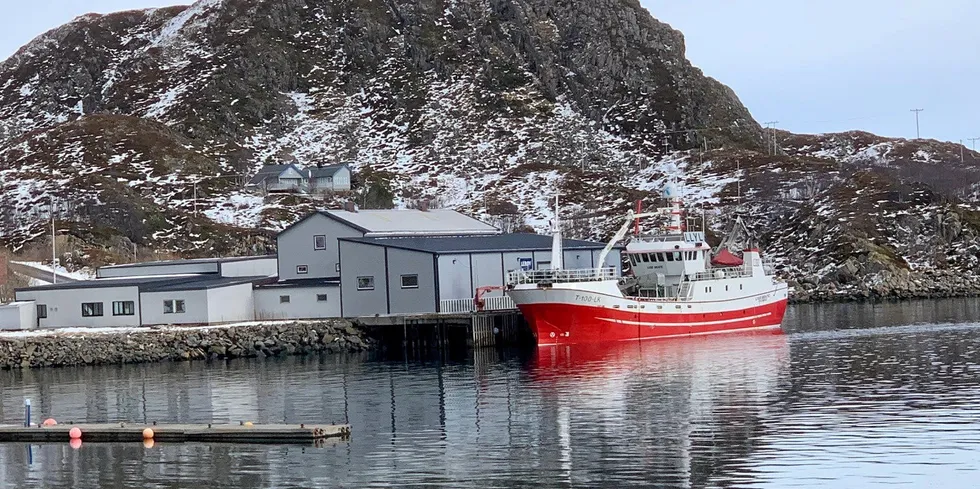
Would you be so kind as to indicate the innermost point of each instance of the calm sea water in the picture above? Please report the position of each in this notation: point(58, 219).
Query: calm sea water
point(853, 396)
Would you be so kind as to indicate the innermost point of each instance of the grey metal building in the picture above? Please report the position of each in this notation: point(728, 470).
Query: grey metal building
point(441, 274)
point(309, 248)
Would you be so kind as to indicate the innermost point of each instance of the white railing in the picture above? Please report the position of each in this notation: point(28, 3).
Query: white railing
point(518, 277)
point(461, 306)
point(502, 303)
point(720, 274)
point(455, 306)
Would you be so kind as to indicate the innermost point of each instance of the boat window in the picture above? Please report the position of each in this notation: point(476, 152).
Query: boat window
point(670, 257)
point(645, 257)
point(677, 256)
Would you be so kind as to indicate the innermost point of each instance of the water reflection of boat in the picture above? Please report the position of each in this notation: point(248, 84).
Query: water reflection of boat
point(691, 409)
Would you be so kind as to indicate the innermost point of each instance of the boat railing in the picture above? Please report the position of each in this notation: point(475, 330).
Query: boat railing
point(720, 274)
point(520, 277)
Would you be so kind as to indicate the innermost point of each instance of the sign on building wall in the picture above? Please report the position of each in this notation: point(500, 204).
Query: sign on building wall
point(526, 263)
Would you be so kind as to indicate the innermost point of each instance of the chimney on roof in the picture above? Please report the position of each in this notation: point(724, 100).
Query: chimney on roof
point(349, 207)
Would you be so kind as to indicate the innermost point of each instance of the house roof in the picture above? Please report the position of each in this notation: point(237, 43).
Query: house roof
point(324, 171)
point(300, 283)
point(271, 171)
point(190, 261)
point(475, 244)
point(411, 222)
point(162, 283)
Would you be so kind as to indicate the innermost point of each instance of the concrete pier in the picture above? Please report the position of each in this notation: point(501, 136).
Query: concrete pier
point(176, 433)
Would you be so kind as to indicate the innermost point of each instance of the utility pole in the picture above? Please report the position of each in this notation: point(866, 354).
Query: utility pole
point(771, 140)
point(917, 121)
point(974, 141)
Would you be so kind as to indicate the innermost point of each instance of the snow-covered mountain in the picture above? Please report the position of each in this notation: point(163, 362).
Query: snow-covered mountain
point(487, 106)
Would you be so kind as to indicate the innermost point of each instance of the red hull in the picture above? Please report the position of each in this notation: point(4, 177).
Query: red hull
point(567, 324)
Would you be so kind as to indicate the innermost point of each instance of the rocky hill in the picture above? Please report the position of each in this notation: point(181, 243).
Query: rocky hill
point(487, 106)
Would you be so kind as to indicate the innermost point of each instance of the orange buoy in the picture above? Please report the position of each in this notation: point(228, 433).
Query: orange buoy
point(75, 443)
point(147, 434)
point(49, 422)
point(75, 433)
point(148, 443)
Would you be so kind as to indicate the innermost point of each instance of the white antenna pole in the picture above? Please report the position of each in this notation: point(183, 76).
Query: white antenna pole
point(738, 176)
point(54, 252)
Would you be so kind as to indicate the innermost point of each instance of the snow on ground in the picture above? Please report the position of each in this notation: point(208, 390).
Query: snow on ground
point(237, 209)
point(83, 274)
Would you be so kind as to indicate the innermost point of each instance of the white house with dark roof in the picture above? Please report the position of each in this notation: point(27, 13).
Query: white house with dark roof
point(279, 178)
point(293, 178)
point(332, 178)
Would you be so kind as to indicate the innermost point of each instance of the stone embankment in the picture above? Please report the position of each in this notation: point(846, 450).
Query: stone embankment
point(120, 346)
point(929, 284)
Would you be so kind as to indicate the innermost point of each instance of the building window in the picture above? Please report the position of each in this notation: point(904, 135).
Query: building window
point(124, 308)
point(173, 307)
point(42, 311)
point(410, 281)
point(284, 299)
point(365, 283)
point(321, 297)
point(319, 242)
point(544, 265)
point(302, 269)
point(91, 309)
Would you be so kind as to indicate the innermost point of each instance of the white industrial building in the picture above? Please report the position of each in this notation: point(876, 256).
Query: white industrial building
point(178, 292)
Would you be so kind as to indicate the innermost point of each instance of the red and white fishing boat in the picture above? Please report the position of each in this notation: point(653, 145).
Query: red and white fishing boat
point(677, 287)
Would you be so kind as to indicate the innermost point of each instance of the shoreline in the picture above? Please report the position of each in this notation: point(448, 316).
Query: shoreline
point(117, 346)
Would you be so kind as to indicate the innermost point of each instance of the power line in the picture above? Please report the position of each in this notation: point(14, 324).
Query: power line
point(917, 121)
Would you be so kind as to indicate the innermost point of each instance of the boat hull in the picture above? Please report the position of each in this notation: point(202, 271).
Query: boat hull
point(560, 323)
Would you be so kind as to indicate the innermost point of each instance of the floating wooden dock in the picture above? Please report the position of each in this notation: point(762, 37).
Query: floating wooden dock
point(176, 433)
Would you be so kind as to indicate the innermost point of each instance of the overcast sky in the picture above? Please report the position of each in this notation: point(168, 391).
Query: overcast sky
point(814, 66)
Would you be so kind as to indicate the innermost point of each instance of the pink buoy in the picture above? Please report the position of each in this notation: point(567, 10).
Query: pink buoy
point(75, 433)
point(148, 434)
point(75, 443)
point(49, 422)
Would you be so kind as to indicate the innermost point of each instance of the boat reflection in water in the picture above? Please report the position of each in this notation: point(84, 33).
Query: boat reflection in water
point(681, 412)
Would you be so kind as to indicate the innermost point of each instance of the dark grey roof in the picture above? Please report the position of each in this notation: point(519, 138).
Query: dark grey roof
point(324, 171)
point(271, 171)
point(489, 243)
point(300, 283)
point(188, 261)
point(151, 284)
point(107, 283)
point(200, 284)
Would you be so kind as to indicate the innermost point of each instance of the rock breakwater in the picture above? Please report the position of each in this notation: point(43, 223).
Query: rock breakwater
point(142, 345)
